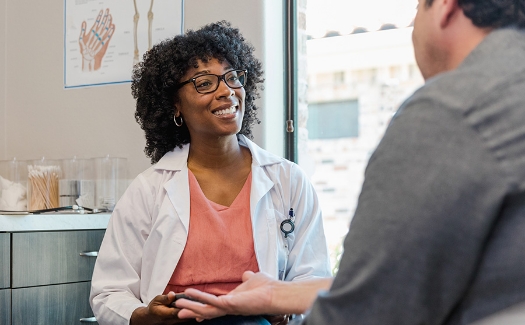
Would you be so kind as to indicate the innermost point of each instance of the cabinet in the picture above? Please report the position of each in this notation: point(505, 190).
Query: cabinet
point(52, 304)
point(5, 253)
point(43, 258)
point(5, 306)
point(48, 276)
point(5, 293)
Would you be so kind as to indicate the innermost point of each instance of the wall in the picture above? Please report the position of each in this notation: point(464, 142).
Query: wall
point(2, 82)
point(40, 118)
point(43, 118)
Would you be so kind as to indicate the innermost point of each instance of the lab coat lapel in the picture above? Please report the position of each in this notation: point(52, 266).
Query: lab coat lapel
point(177, 188)
point(262, 208)
point(261, 184)
point(264, 240)
point(178, 191)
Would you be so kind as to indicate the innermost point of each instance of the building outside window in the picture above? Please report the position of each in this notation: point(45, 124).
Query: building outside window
point(349, 87)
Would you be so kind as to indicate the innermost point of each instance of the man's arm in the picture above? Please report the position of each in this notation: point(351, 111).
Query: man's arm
point(258, 294)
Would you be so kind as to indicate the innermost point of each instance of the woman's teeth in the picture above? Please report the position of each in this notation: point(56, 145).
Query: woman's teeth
point(230, 110)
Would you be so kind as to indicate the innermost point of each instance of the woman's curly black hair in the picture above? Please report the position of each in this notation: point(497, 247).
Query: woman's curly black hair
point(155, 79)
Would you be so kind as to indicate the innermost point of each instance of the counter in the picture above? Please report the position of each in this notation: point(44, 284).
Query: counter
point(56, 221)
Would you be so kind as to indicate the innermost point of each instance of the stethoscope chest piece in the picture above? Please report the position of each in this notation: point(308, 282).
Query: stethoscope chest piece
point(287, 227)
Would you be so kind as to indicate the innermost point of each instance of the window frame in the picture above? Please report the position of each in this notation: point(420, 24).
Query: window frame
point(291, 80)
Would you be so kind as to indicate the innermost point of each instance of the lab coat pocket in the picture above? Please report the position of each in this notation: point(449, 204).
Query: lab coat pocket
point(274, 219)
point(265, 241)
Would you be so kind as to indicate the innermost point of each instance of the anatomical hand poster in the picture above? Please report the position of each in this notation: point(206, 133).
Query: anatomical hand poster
point(104, 39)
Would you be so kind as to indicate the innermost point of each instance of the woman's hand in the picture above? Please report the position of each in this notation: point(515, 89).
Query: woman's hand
point(159, 312)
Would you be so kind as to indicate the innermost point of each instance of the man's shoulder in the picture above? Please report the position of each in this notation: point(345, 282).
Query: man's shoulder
point(490, 72)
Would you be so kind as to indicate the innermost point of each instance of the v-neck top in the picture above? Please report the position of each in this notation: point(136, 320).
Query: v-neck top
point(219, 247)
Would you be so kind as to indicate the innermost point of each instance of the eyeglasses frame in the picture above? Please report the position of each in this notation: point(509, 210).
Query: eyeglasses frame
point(221, 77)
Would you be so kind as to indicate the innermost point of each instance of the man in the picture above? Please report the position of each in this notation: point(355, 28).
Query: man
point(438, 234)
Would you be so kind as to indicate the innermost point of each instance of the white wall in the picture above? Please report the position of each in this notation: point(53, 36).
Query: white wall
point(43, 118)
point(40, 118)
point(2, 83)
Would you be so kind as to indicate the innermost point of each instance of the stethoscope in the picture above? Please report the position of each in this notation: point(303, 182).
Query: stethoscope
point(287, 227)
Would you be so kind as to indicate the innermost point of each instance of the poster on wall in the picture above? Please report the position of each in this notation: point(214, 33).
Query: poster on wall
point(104, 39)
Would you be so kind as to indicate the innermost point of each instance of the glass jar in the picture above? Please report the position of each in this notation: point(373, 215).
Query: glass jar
point(77, 185)
point(110, 181)
point(13, 185)
point(42, 184)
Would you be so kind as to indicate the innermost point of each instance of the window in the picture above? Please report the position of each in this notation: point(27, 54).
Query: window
point(356, 59)
point(333, 120)
point(339, 77)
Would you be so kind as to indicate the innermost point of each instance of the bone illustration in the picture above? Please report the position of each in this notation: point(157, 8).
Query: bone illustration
point(135, 24)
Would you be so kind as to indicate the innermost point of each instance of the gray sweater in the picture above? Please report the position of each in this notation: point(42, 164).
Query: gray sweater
point(439, 232)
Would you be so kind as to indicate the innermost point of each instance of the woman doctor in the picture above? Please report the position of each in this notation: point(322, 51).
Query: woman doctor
point(211, 205)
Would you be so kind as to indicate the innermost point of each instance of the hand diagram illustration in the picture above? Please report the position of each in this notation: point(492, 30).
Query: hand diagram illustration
point(94, 42)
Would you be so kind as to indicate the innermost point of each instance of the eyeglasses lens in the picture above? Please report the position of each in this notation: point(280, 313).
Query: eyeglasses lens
point(210, 82)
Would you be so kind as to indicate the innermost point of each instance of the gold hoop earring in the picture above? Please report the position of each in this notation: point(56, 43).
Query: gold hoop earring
point(175, 120)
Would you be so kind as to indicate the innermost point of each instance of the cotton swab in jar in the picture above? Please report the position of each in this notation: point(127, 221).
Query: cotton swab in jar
point(43, 181)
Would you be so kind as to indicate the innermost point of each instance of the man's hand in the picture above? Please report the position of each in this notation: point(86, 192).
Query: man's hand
point(252, 297)
point(259, 294)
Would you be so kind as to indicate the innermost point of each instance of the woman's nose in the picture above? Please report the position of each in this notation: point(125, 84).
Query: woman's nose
point(224, 90)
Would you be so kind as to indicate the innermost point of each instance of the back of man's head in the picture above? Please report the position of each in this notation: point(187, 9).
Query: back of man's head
point(493, 13)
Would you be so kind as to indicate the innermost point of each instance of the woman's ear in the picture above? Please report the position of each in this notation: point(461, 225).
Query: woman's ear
point(176, 105)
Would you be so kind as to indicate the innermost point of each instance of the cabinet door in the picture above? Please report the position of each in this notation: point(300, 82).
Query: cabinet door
point(42, 258)
point(5, 306)
point(5, 260)
point(54, 304)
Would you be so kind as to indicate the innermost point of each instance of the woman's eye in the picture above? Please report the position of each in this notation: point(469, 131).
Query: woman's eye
point(204, 84)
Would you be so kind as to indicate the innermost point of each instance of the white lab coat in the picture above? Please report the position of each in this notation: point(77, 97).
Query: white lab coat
point(148, 229)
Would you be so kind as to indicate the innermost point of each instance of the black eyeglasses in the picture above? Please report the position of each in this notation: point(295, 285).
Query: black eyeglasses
point(208, 83)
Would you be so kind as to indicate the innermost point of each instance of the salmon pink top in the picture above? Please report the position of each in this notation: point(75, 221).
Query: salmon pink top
point(219, 247)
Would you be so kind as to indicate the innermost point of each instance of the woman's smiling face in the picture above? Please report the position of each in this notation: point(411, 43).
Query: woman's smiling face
point(216, 114)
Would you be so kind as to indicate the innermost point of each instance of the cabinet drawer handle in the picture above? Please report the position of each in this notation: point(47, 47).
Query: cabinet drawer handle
point(88, 320)
point(89, 254)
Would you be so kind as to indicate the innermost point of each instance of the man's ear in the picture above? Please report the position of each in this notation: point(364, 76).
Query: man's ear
point(449, 9)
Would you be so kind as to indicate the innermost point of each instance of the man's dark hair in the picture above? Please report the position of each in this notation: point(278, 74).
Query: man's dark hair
point(155, 79)
point(493, 13)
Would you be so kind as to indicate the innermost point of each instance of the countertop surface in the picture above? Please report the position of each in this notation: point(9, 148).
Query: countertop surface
point(53, 221)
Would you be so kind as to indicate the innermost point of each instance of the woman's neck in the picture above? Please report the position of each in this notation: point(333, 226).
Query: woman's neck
point(220, 153)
